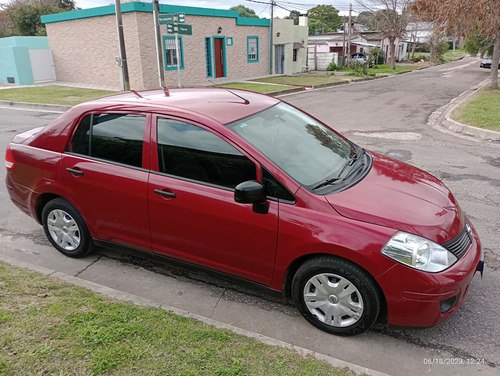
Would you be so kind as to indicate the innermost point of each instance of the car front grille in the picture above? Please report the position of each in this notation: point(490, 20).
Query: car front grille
point(461, 243)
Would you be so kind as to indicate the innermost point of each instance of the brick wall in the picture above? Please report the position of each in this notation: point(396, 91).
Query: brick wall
point(85, 50)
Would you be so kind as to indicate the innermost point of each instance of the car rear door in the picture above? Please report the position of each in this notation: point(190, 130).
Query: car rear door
point(193, 214)
point(105, 172)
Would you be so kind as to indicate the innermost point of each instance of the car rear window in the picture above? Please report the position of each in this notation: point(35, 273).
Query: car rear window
point(112, 137)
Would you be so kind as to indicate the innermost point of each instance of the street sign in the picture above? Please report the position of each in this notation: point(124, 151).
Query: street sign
point(166, 18)
point(185, 29)
point(181, 17)
point(171, 28)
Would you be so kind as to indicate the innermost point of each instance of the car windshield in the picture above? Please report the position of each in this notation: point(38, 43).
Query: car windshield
point(302, 147)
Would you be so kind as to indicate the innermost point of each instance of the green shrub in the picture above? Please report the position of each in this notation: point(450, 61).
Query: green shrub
point(377, 56)
point(417, 58)
point(422, 48)
point(332, 67)
point(358, 68)
point(441, 49)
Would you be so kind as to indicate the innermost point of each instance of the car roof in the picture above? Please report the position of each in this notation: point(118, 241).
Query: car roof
point(221, 104)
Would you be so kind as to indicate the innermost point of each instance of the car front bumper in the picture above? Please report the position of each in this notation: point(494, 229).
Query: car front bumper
point(420, 299)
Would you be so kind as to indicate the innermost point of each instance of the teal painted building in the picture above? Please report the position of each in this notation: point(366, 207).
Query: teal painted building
point(222, 45)
point(25, 60)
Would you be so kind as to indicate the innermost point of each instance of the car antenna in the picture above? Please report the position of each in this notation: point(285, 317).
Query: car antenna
point(239, 96)
point(165, 91)
point(137, 94)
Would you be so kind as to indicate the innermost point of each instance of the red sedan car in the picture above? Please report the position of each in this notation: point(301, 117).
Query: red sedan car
point(248, 185)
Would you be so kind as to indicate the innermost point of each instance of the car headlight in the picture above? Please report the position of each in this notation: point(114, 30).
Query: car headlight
point(419, 253)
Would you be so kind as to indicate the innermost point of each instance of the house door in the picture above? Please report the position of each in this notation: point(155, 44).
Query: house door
point(279, 59)
point(42, 65)
point(219, 52)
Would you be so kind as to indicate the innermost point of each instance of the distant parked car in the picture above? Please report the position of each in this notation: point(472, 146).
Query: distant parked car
point(362, 58)
point(486, 62)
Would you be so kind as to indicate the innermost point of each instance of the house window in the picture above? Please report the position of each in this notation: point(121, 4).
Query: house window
point(252, 49)
point(208, 55)
point(171, 58)
point(295, 51)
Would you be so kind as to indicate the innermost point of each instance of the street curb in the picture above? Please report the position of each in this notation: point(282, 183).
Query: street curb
point(442, 115)
point(135, 299)
point(34, 106)
point(286, 91)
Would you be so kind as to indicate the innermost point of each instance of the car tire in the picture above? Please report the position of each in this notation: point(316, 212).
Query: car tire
point(66, 229)
point(336, 295)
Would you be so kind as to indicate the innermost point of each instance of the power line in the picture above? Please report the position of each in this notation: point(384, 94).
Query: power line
point(301, 7)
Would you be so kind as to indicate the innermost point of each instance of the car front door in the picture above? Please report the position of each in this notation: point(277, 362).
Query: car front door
point(193, 214)
point(105, 171)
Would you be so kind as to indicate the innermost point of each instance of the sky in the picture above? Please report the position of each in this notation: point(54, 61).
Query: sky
point(262, 10)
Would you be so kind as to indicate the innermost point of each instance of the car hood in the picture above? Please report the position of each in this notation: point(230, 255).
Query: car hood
point(397, 195)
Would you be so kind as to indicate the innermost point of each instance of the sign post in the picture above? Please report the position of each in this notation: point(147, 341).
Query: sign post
point(176, 25)
point(178, 62)
point(159, 57)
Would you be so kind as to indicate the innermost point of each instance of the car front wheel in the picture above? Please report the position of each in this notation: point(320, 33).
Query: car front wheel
point(336, 295)
point(66, 229)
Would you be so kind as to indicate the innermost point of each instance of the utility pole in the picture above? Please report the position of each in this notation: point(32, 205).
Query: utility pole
point(122, 62)
point(343, 46)
point(349, 35)
point(271, 60)
point(159, 50)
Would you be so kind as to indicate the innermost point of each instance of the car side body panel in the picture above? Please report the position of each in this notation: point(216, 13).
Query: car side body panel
point(105, 195)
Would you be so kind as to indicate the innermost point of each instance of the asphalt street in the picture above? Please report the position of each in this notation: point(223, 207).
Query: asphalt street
point(390, 116)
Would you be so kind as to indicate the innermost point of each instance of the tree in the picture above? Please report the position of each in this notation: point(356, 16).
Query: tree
point(24, 15)
point(478, 20)
point(391, 17)
point(294, 15)
point(324, 18)
point(367, 19)
point(243, 11)
point(6, 25)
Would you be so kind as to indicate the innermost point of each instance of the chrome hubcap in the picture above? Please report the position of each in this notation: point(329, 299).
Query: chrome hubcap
point(63, 229)
point(333, 299)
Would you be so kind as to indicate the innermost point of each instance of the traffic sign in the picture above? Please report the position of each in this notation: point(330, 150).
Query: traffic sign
point(185, 29)
point(171, 28)
point(166, 18)
point(181, 17)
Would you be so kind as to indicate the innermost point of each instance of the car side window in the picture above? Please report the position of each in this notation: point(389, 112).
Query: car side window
point(188, 151)
point(274, 189)
point(110, 136)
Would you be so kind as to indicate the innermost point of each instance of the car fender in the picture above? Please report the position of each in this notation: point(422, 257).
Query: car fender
point(302, 236)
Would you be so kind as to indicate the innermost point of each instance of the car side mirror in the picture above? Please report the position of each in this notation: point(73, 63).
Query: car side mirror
point(252, 192)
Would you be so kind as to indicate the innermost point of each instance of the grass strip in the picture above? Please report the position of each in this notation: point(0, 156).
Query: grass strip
point(49, 327)
point(53, 94)
point(480, 110)
point(387, 69)
point(302, 80)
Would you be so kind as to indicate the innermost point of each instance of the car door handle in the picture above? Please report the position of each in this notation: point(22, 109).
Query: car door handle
point(165, 193)
point(75, 172)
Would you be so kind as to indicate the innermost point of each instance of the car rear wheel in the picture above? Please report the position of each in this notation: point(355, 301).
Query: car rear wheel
point(336, 296)
point(66, 229)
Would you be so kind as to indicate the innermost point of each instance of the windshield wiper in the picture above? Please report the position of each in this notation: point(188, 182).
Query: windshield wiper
point(327, 182)
point(340, 176)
